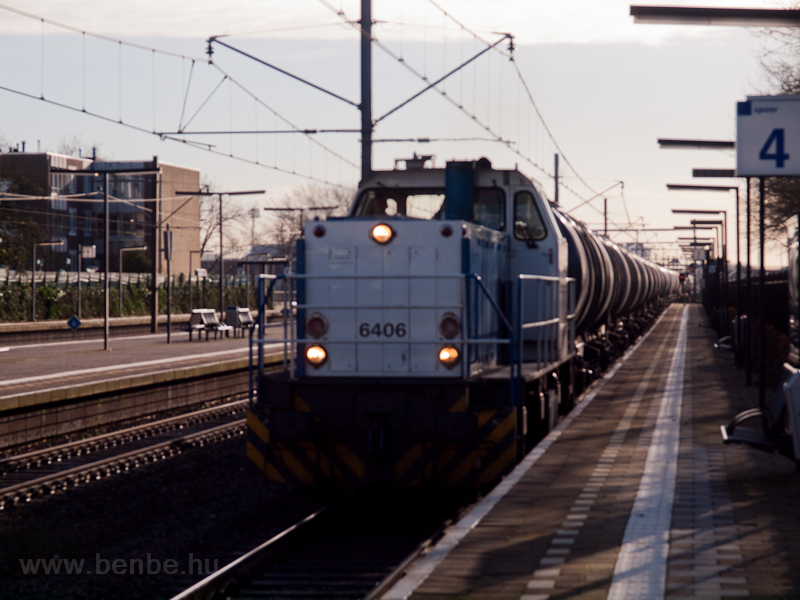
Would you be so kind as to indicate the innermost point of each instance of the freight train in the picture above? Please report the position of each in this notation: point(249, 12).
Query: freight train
point(440, 329)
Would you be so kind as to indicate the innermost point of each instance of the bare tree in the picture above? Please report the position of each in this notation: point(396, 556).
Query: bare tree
point(234, 218)
point(75, 146)
point(781, 62)
point(301, 203)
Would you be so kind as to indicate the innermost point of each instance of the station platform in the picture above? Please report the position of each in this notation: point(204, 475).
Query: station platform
point(633, 495)
point(38, 373)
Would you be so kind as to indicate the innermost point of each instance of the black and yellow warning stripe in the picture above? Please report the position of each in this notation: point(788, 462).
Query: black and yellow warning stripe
point(487, 456)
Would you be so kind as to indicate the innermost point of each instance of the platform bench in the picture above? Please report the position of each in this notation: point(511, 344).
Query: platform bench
point(205, 319)
point(239, 319)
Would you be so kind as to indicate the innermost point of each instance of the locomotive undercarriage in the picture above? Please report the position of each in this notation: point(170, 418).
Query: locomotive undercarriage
point(599, 351)
point(355, 432)
point(405, 433)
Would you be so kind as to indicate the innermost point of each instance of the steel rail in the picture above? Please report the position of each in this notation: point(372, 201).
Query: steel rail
point(9, 463)
point(51, 482)
point(230, 575)
point(233, 579)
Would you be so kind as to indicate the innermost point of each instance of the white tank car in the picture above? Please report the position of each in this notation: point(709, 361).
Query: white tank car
point(441, 328)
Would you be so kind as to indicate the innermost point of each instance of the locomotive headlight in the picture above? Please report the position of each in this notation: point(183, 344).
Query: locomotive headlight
point(449, 326)
point(316, 355)
point(448, 356)
point(382, 234)
point(316, 325)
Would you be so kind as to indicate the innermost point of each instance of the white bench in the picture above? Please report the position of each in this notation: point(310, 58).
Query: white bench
point(205, 319)
point(239, 319)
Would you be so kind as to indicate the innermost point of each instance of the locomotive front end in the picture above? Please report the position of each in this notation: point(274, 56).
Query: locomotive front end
point(392, 328)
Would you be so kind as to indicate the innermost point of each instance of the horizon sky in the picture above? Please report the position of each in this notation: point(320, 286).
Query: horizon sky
point(606, 88)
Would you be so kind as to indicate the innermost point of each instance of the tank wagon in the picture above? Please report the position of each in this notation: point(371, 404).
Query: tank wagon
point(441, 328)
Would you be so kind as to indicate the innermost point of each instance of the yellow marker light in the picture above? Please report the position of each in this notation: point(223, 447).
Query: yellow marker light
point(449, 357)
point(382, 234)
point(316, 355)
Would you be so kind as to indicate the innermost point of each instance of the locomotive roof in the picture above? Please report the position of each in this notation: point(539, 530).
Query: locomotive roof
point(435, 178)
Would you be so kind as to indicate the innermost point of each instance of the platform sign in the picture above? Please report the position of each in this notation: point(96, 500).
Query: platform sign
point(699, 254)
point(74, 323)
point(768, 136)
point(89, 251)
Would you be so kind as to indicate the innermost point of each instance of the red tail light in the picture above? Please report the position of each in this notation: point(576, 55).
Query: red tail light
point(316, 325)
point(449, 326)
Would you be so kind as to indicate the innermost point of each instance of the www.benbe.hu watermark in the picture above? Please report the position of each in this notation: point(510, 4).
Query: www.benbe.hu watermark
point(119, 566)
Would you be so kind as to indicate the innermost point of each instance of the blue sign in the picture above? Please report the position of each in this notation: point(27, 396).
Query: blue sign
point(74, 323)
point(768, 136)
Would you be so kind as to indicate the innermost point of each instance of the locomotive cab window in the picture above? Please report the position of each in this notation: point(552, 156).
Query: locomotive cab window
point(490, 208)
point(528, 223)
point(418, 204)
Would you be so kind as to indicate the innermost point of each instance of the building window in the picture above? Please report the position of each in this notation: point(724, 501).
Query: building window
point(87, 223)
point(73, 221)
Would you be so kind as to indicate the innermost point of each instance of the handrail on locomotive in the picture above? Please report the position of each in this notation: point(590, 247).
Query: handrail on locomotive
point(546, 291)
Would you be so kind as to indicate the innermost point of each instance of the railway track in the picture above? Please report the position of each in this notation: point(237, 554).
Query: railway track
point(49, 470)
point(355, 548)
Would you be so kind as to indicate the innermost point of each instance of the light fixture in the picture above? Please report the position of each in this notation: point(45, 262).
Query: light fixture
point(382, 233)
point(449, 326)
point(316, 325)
point(316, 355)
point(449, 356)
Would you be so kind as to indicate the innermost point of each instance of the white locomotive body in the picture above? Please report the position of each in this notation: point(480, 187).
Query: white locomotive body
point(440, 328)
point(383, 304)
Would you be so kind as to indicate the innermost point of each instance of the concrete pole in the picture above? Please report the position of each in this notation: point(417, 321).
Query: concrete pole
point(555, 182)
point(762, 330)
point(221, 267)
point(169, 250)
point(366, 88)
point(107, 258)
point(80, 259)
point(33, 286)
point(747, 369)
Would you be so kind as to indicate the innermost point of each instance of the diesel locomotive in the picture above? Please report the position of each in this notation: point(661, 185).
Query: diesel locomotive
point(440, 329)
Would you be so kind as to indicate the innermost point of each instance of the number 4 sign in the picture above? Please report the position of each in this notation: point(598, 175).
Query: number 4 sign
point(768, 136)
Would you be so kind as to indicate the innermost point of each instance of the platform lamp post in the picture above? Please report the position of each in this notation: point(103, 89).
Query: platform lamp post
point(717, 250)
point(694, 229)
point(97, 173)
point(701, 15)
point(121, 253)
point(741, 308)
point(191, 252)
point(221, 254)
point(33, 274)
point(722, 188)
point(724, 246)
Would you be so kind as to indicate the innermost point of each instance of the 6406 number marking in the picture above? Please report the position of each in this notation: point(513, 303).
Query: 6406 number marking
point(385, 329)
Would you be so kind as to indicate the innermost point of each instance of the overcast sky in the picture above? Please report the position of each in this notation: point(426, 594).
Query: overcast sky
point(606, 88)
